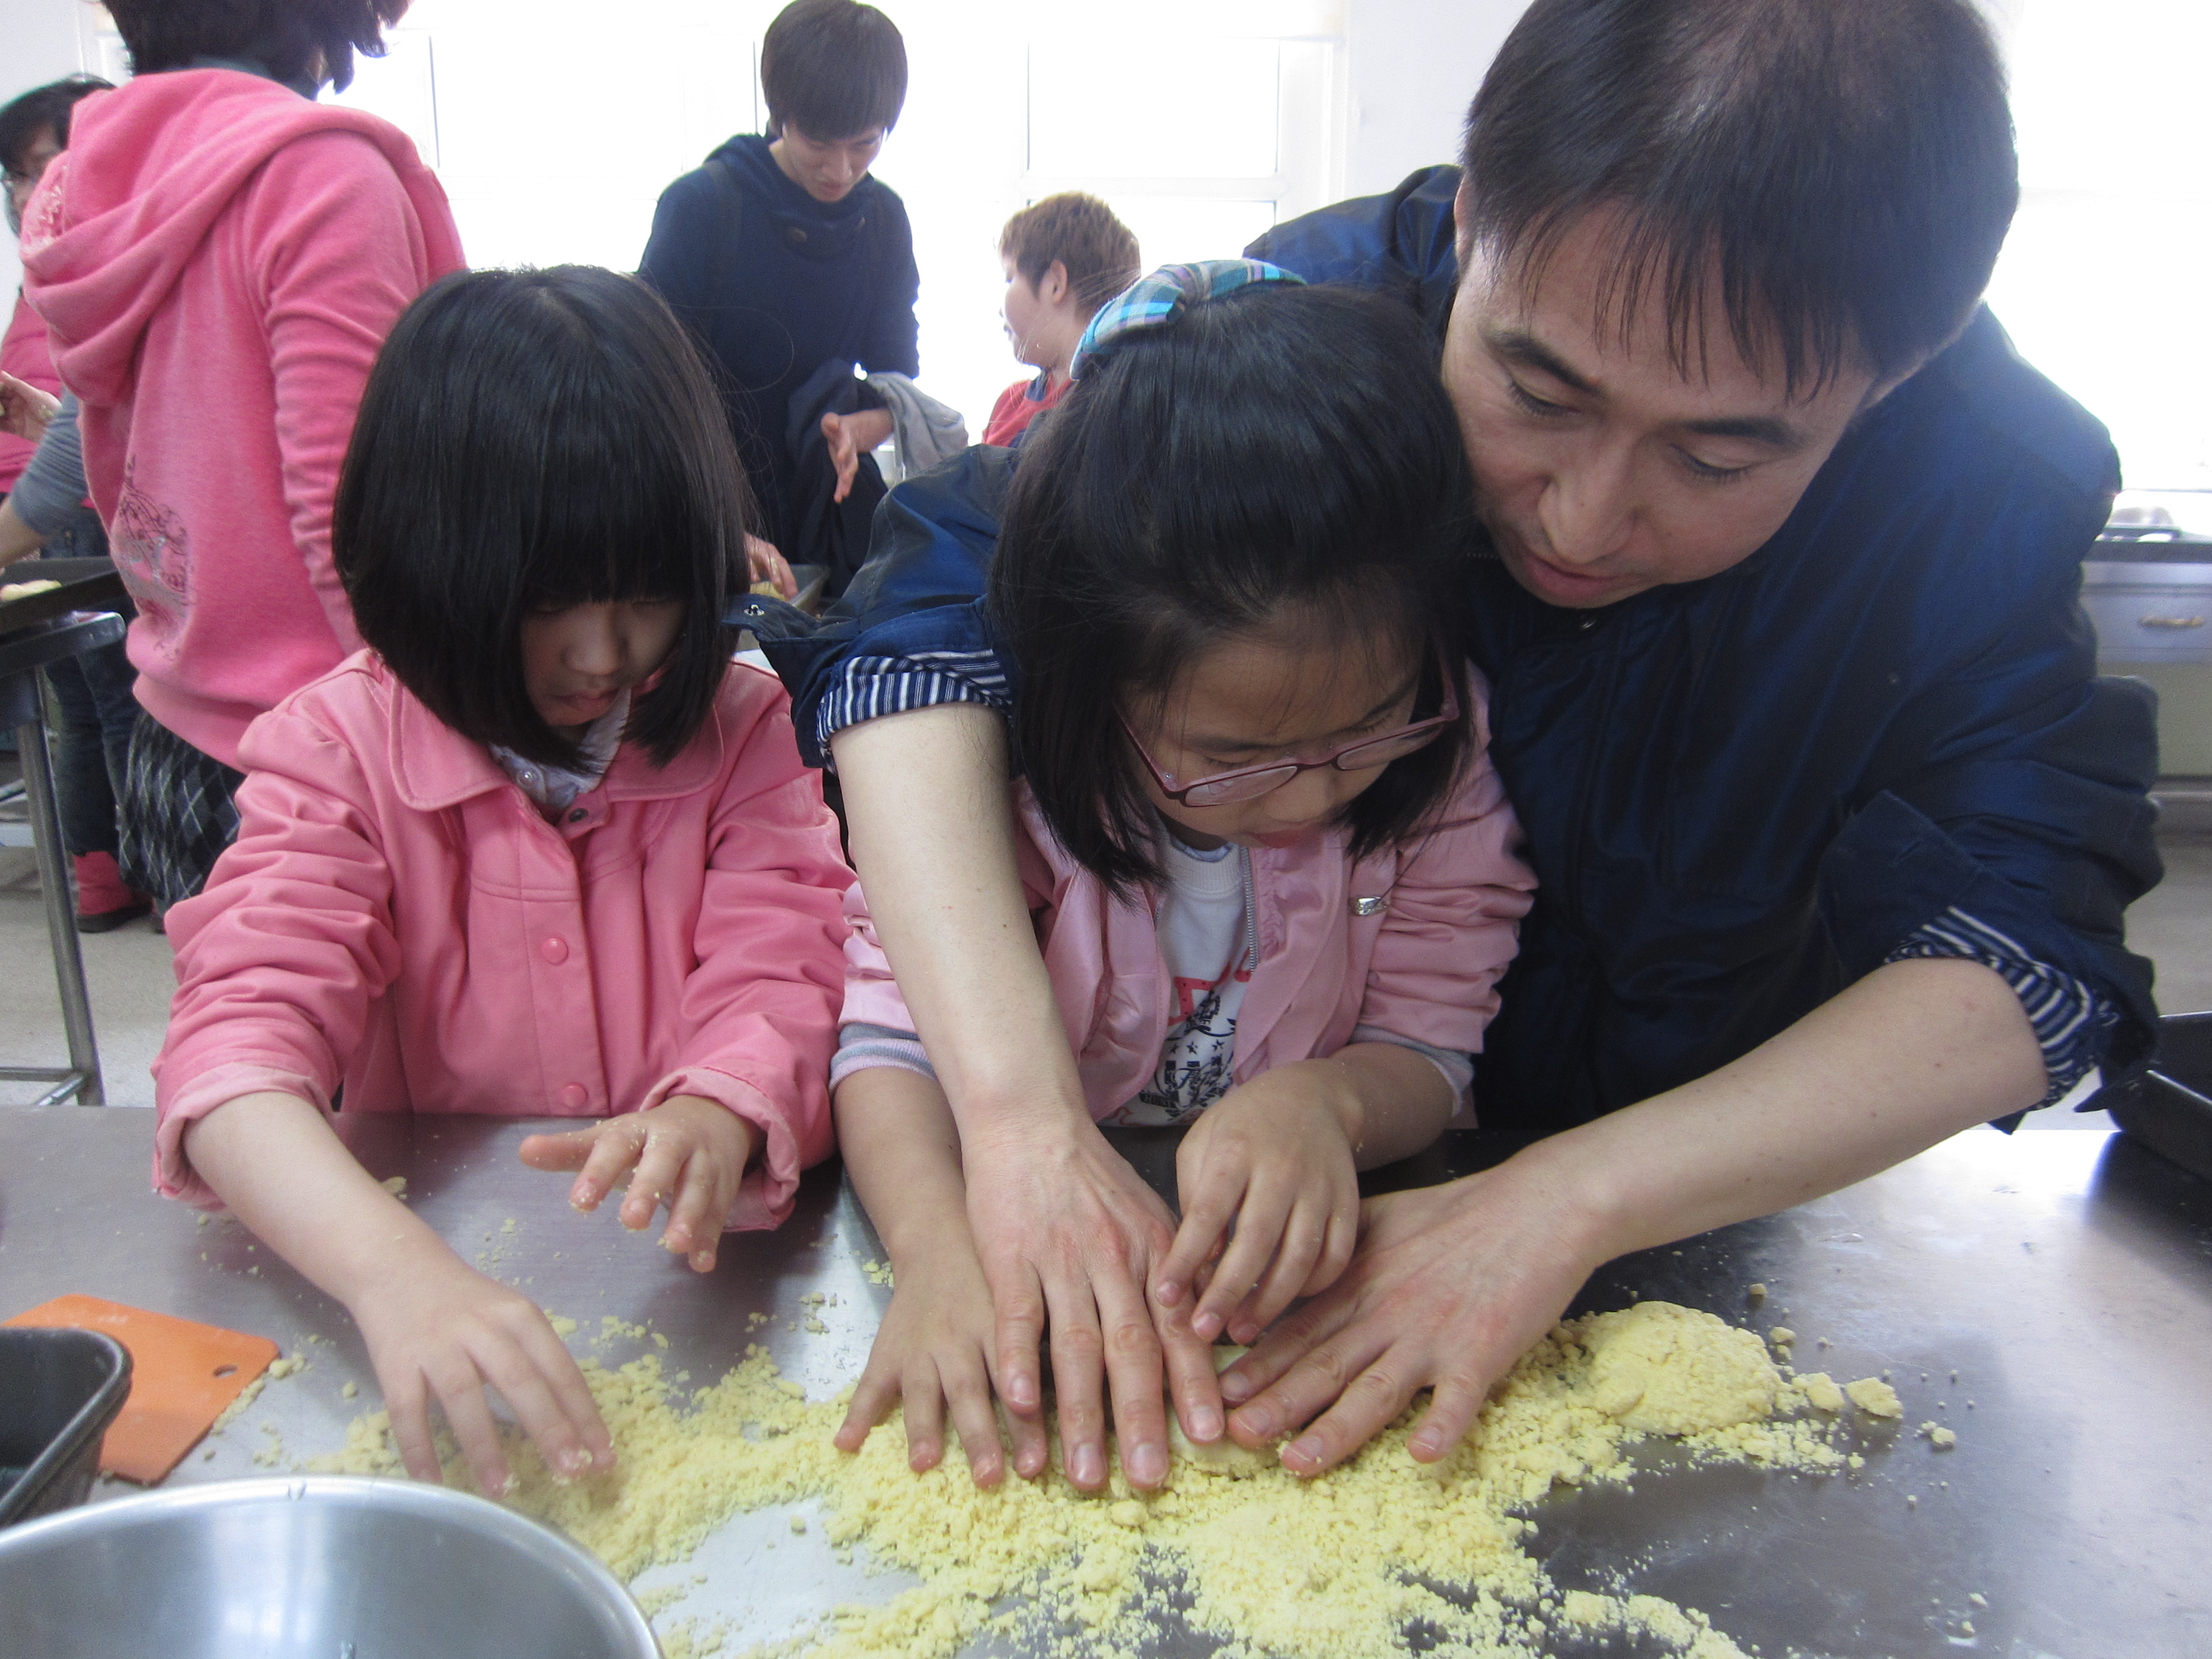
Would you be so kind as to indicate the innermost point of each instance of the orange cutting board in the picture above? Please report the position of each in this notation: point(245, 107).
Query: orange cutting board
point(182, 1376)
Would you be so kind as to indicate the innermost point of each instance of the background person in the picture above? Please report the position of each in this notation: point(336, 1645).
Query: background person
point(1064, 256)
point(1834, 825)
point(46, 507)
point(784, 255)
point(218, 258)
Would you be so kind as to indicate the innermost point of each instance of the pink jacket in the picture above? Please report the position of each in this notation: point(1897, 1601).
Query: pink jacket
point(25, 354)
point(397, 915)
point(218, 260)
point(1424, 966)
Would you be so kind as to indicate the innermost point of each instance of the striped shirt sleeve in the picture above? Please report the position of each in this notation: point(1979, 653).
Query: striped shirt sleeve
point(860, 1047)
point(2070, 1019)
point(868, 687)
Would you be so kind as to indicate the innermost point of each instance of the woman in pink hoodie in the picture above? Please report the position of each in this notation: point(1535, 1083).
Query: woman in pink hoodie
point(1271, 871)
point(542, 850)
point(218, 258)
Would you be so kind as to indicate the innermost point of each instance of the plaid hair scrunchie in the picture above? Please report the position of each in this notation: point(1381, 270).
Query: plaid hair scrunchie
point(1151, 300)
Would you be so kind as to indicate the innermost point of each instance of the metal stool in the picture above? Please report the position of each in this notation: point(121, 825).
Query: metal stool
point(22, 654)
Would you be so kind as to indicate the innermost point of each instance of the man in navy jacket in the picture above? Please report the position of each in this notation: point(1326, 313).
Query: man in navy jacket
point(1790, 685)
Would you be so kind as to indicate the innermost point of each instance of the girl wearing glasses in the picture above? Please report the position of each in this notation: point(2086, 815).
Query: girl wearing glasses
point(1270, 867)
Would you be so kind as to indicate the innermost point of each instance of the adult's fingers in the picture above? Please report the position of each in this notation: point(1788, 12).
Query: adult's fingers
point(659, 1167)
point(1078, 1380)
point(1133, 1368)
point(1032, 1445)
point(1192, 1387)
point(1018, 1311)
point(1273, 1356)
point(1453, 1408)
point(1363, 1410)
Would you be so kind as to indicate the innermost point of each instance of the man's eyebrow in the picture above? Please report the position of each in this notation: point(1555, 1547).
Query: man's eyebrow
point(1522, 346)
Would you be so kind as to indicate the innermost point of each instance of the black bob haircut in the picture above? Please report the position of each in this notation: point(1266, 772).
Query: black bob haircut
point(293, 39)
point(1844, 167)
point(43, 109)
point(529, 440)
point(1280, 460)
point(832, 69)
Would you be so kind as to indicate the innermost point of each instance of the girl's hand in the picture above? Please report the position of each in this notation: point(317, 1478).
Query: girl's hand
point(933, 1350)
point(24, 410)
point(435, 1326)
point(1273, 1156)
point(689, 1153)
point(764, 564)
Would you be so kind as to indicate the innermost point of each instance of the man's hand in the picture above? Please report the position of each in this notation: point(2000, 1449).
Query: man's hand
point(689, 1153)
point(1069, 1236)
point(850, 437)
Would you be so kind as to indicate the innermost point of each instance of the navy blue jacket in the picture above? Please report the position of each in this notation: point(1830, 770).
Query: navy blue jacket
point(776, 286)
point(1740, 793)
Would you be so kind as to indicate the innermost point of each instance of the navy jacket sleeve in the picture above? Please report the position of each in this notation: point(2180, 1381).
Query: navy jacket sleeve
point(1401, 241)
point(917, 600)
point(894, 336)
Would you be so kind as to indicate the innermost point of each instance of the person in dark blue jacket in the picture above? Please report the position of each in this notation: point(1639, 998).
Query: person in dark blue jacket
point(1834, 821)
point(784, 255)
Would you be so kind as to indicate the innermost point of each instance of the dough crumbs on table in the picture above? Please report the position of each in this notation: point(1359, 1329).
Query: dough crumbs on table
point(561, 1324)
point(1821, 1391)
point(350, 1391)
point(1339, 1567)
point(1782, 1336)
point(879, 1272)
point(1873, 1396)
point(246, 1396)
point(396, 1185)
point(289, 1365)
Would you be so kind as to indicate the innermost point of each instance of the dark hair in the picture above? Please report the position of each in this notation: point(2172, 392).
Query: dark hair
point(1285, 454)
point(43, 109)
point(291, 38)
point(832, 69)
point(1845, 167)
point(532, 439)
point(1081, 232)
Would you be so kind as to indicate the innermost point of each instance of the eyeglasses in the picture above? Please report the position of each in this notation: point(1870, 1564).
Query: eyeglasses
point(1250, 782)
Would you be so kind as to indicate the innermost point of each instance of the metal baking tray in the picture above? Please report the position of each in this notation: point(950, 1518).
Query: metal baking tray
point(59, 1389)
point(86, 585)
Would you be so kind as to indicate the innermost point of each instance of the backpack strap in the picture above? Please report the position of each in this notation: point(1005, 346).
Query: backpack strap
point(731, 220)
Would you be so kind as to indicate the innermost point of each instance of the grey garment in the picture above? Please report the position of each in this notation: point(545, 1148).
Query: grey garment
point(927, 431)
point(51, 493)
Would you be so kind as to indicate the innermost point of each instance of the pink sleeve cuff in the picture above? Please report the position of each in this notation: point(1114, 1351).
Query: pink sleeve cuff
point(173, 1177)
point(771, 1184)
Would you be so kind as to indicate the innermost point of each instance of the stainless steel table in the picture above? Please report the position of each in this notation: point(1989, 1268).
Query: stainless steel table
point(2067, 1279)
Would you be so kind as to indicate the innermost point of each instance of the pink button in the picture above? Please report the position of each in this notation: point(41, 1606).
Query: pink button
point(555, 951)
point(573, 1095)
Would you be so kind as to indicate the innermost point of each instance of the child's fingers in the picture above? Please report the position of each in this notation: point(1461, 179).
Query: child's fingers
point(459, 1389)
point(557, 1366)
point(967, 1387)
point(1304, 1237)
point(615, 1146)
point(871, 1398)
point(409, 1407)
point(660, 1167)
point(925, 1416)
point(1209, 1203)
point(520, 1378)
point(567, 1150)
point(1260, 1224)
point(694, 1219)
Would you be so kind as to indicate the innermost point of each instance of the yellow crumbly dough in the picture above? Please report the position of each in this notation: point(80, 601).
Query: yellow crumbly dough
point(1340, 1567)
point(1874, 1396)
point(24, 590)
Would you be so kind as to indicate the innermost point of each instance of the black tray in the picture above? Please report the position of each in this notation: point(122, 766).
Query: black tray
point(59, 1389)
point(2170, 1110)
point(86, 585)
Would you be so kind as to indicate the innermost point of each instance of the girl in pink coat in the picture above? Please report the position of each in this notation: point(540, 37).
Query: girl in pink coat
point(540, 850)
point(1272, 871)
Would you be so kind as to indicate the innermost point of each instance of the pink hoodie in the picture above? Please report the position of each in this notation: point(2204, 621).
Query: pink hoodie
point(218, 260)
point(26, 354)
point(397, 916)
point(1425, 964)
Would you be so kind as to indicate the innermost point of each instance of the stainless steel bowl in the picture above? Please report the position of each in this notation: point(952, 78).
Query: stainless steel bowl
point(310, 1568)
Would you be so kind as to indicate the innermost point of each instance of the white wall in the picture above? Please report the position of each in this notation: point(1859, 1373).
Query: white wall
point(1414, 66)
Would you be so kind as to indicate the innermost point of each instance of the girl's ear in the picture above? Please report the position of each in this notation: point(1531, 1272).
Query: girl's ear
point(1052, 287)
